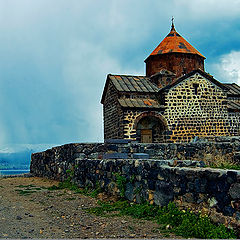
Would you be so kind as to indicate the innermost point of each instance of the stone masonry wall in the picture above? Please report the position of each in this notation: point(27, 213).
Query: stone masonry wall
point(196, 107)
point(112, 115)
point(234, 123)
point(213, 191)
point(177, 63)
point(130, 118)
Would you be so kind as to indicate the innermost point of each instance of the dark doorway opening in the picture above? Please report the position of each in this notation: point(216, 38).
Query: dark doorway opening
point(150, 130)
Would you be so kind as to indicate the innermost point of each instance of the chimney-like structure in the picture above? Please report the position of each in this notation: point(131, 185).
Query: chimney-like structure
point(174, 54)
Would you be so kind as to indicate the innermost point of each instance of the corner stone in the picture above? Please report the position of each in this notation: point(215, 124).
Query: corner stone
point(235, 191)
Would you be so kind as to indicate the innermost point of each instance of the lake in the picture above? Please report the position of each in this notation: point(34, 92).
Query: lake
point(13, 172)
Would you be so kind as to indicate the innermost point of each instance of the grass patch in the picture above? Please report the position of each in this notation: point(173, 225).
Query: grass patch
point(183, 223)
point(1, 187)
point(225, 166)
point(67, 184)
point(25, 192)
point(70, 199)
point(188, 224)
point(222, 162)
point(26, 186)
point(27, 189)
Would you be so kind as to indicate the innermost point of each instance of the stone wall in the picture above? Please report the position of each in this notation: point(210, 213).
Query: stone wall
point(112, 114)
point(177, 63)
point(215, 192)
point(234, 123)
point(196, 107)
point(131, 119)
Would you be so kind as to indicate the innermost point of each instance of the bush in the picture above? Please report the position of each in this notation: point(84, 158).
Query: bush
point(188, 224)
point(183, 223)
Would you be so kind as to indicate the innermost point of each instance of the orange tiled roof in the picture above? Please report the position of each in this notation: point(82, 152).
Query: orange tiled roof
point(173, 42)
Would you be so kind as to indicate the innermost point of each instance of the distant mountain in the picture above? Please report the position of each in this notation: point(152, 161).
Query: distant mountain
point(18, 156)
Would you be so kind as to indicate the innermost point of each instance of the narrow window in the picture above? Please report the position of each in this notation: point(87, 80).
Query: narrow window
point(195, 85)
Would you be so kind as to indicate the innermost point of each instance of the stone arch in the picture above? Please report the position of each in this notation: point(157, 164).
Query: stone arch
point(150, 127)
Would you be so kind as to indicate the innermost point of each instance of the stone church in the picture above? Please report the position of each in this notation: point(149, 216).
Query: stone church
point(176, 100)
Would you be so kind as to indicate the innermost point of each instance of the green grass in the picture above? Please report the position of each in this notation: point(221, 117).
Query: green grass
point(188, 224)
point(26, 186)
point(169, 218)
point(67, 184)
point(226, 166)
point(182, 223)
point(25, 192)
point(27, 189)
point(222, 163)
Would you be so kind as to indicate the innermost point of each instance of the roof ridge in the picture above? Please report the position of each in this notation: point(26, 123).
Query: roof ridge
point(203, 73)
point(127, 75)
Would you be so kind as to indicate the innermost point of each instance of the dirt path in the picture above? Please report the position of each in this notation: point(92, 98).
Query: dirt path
point(60, 214)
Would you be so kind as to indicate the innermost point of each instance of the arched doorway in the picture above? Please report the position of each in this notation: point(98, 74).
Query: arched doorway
point(150, 129)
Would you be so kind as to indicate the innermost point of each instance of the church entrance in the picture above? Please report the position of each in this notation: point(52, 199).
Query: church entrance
point(150, 129)
point(146, 135)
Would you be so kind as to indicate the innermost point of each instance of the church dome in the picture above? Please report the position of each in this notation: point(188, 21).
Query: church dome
point(174, 54)
point(174, 43)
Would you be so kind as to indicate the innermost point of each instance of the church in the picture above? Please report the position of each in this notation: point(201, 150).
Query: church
point(176, 100)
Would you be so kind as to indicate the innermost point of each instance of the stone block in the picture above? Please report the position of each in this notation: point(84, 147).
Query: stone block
point(79, 155)
point(129, 193)
point(150, 152)
point(235, 191)
point(115, 156)
point(93, 156)
point(124, 149)
point(117, 141)
point(162, 199)
point(236, 157)
point(212, 202)
point(140, 156)
point(112, 147)
point(238, 216)
point(228, 211)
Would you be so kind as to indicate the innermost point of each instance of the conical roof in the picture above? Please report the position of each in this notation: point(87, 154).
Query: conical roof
point(174, 43)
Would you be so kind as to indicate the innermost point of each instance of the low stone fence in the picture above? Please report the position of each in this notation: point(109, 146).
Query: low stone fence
point(224, 148)
point(215, 192)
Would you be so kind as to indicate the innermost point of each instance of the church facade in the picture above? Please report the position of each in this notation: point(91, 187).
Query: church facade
point(176, 100)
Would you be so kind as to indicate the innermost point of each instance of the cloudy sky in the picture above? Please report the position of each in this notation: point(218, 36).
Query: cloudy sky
point(55, 55)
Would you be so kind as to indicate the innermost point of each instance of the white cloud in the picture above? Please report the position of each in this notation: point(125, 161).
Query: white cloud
point(85, 69)
point(55, 56)
point(207, 9)
point(228, 67)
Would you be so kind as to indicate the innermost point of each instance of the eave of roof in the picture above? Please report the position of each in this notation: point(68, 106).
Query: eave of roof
point(140, 103)
point(233, 106)
point(233, 89)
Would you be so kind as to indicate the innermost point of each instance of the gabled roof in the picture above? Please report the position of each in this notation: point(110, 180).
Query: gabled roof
point(233, 106)
point(233, 89)
point(127, 83)
point(139, 103)
point(204, 74)
point(174, 43)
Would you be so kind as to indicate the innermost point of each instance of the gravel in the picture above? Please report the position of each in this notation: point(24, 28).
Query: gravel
point(29, 210)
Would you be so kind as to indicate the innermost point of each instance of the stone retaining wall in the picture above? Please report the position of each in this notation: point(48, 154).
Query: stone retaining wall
point(215, 192)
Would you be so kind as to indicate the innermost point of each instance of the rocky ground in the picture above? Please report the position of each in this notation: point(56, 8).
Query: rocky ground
point(29, 210)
